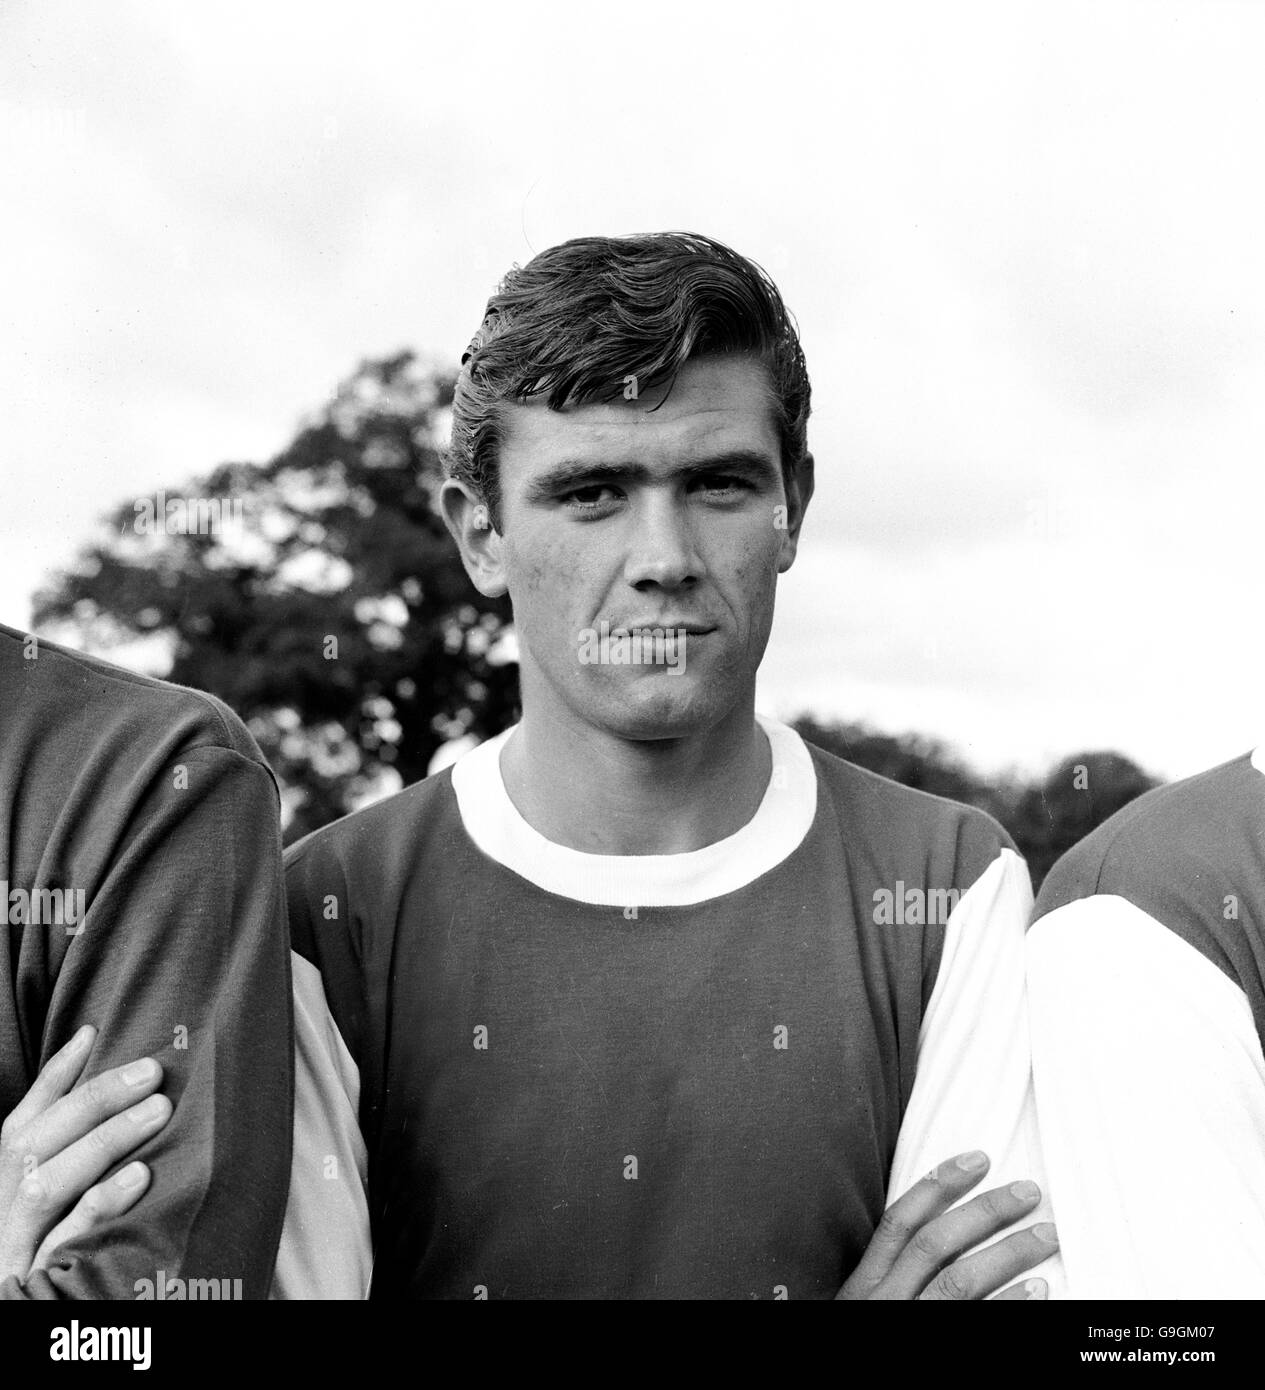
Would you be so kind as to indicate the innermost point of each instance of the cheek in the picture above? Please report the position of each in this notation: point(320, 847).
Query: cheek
point(551, 587)
point(754, 576)
point(536, 569)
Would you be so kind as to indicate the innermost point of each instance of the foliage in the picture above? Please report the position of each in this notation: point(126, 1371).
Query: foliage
point(335, 617)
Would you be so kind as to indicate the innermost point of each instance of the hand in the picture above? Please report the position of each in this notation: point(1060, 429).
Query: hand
point(915, 1251)
point(55, 1146)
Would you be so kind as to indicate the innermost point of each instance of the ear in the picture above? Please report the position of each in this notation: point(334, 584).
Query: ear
point(466, 515)
point(799, 491)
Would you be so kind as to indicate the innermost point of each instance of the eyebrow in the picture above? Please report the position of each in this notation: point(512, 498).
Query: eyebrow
point(568, 474)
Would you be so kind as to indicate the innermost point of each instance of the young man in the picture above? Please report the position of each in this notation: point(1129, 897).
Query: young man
point(634, 1001)
point(1147, 985)
point(145, 942)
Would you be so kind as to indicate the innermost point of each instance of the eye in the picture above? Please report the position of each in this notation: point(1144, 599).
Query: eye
point(724, 484)
point(591, 498)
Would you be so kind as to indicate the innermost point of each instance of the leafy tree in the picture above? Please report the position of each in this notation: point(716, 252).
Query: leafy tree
point(329, 607)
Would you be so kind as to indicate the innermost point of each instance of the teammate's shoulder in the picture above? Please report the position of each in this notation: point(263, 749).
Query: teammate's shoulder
point(47, 684)
point(1187, 832)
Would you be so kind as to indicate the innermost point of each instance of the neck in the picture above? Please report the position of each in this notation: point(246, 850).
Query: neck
point(593, 791)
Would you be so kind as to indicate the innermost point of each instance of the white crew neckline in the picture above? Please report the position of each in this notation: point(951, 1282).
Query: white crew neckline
point(777, 829)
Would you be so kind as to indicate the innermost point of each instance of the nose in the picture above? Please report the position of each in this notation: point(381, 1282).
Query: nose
point(662, 549)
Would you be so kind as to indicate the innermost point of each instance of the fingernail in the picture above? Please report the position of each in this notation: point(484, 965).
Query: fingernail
point(147, 1110)
point(136, 1072)
point(972, 1162)
point(1025, 1191)
point(81, 1039)
point(131, 1176)
point(1035, 1288)
point(1046, 1231)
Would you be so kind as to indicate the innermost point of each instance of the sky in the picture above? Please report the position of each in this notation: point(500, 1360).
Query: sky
point(1022, 242)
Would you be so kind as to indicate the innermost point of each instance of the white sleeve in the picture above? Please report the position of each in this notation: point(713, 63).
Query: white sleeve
point(326, 1250)
point(973, 1087)
point(1150, 1088)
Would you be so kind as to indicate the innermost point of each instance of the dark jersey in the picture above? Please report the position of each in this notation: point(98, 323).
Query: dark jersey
point(588, 1076)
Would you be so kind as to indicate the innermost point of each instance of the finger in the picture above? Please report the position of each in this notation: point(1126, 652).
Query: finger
point(1027, 1291)
point(69, 1174)
point(942, 1241)
point(977, 1275)
point(936, 1193)
point(101, 1203)
point(88, 1106)
point(57, 1076)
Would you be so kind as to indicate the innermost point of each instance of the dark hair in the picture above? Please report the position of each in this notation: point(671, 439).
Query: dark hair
point(578, 319)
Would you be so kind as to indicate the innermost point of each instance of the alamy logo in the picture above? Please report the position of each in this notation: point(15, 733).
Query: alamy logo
point(43, 907)
point(639, 646)
point(161, 515)
point(75, 1343)
point(913, 907)
point(191, 1290)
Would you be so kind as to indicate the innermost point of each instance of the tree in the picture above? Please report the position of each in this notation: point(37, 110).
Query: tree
point(319, 595)
point(1081, 792)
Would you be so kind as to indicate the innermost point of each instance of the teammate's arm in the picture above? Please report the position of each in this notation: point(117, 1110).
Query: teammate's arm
point(183, 957)
point(1147, 1064)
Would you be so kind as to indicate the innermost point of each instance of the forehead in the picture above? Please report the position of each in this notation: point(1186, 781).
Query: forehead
point(715, 404)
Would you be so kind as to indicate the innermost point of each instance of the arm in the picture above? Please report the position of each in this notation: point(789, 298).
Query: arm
point(326, 1250)
point(182, 957)
point(973, 1087)
point(326, 1247)
point(1150, 1085)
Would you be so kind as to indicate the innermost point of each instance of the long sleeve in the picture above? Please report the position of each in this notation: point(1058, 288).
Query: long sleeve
point(326, 1249)
point(182, 955)
point(1150, 1083)
point(973, 1086)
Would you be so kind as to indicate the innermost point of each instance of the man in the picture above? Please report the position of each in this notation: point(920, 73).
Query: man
point(1146, 968)
point(622, 1005)
point(145, 942)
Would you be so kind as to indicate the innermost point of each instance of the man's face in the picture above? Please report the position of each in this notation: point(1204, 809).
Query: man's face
point(646, 514)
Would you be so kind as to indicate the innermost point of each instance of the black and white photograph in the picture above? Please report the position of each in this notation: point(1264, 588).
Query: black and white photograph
point(630, 665)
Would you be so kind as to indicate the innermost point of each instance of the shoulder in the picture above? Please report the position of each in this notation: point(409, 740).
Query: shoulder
point(344, 887)
point(1176, 841)
point(54, 697)
point(43, 676)
point(1179, 869)
point(378, 832)
point(907, 827)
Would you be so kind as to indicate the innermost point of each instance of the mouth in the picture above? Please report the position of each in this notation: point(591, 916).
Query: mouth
point(691, 627)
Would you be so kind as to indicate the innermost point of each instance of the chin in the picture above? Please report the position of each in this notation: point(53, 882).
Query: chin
point(664, 706)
